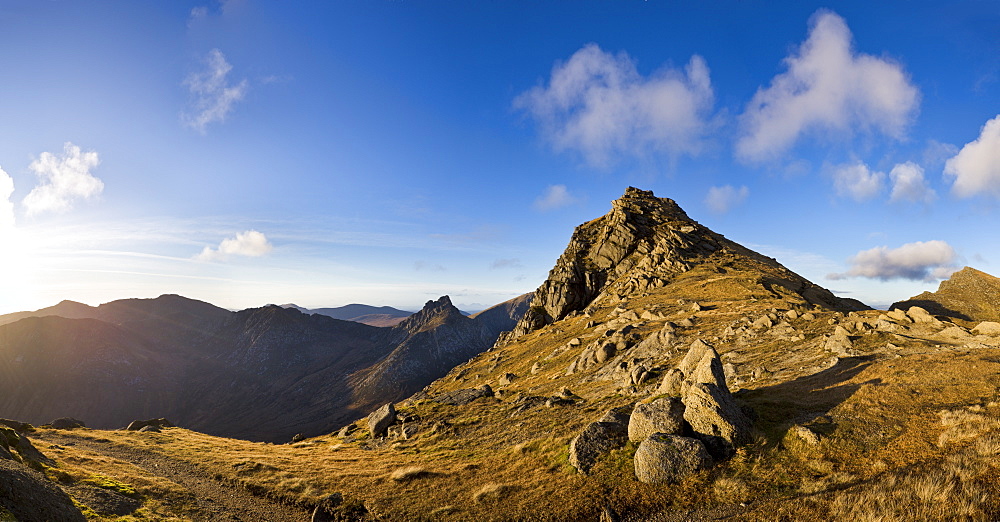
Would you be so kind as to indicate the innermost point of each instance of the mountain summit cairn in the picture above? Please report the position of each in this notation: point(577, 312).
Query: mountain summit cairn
point(642, 244)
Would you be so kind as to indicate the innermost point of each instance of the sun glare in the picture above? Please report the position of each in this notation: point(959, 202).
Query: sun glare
point(17, 267)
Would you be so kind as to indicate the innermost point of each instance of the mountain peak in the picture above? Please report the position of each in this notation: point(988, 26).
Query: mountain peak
point(443, 302)
point(968, 295)
point(641, 245)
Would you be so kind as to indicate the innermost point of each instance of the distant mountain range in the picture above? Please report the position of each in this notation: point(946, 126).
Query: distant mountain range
point(261, 374)
point(359, 313)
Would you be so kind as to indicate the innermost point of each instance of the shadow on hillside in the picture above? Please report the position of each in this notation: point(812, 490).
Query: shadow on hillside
point(795, 401)
point(932, 307)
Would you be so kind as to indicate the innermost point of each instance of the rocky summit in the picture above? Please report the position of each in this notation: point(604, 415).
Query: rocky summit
point(643, 244)
point(968, 295)
point(660, 372)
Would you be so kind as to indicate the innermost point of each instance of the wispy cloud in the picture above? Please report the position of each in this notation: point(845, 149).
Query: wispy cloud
point(857, 181)
point(556, 196)
point(828, 87)
point(723, 199)
point(976, 168)
point(213, 97)
point(247, 244)
point(920, 261)
point(423, 266)
point(506, 263)
point(598, 104)
point(62, 180)
point(908, 184)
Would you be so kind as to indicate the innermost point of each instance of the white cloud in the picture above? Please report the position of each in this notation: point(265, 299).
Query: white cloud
point(976, 168)
point(857, 181)
point(6, 205)
point(598, 104)
point(63, 179)
point(908, 184)
point(248, 244)
point(827, 87)
point(556, 196)
point(722, 199)
point(213, 96)
point(919, 261)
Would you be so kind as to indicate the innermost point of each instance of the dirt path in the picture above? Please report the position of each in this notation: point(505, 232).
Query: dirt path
point(216, 500)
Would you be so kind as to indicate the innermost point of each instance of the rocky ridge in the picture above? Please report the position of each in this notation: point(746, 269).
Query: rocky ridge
point(642, 244)
point(968, 295)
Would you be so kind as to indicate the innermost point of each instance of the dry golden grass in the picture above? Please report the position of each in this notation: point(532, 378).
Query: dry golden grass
point(882, 443)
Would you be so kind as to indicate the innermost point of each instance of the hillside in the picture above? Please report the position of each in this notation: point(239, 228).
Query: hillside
point(661, 373)
point(968, 295)
point(262, 374)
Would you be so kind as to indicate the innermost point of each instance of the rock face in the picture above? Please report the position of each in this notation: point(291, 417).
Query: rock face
point(664, 415)
point(667, 459)
point(969, 295)
point(641, 245)
point(597, 440)
point(380, 420)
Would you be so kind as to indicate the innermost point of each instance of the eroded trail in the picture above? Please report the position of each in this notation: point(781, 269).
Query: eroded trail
point(216, 500)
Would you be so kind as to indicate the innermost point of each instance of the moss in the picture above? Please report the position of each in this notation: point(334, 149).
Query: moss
point(111, 485)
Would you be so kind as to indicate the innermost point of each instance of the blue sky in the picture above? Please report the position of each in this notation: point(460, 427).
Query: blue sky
point(323, 153)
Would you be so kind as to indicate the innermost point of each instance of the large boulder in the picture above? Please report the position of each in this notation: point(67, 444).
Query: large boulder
point(664, 415)
point(67, 423)
point(987, 328)
point(598, 439)
point(464, 396)
point(380, 420)
point(716, 419)
point(26, 495)
point(138, 425)
point(666, 459)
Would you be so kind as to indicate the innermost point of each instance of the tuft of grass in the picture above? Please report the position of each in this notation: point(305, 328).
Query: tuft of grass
point(493, 492)
point(409, 473)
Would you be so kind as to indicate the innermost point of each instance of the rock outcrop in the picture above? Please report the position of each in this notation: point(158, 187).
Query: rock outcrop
point(639, 246)
point(968, 295)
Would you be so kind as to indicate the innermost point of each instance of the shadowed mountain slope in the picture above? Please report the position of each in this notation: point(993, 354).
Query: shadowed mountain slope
point(262, 374)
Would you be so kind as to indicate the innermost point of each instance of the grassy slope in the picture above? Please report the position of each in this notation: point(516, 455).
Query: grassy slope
point(914, 427)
